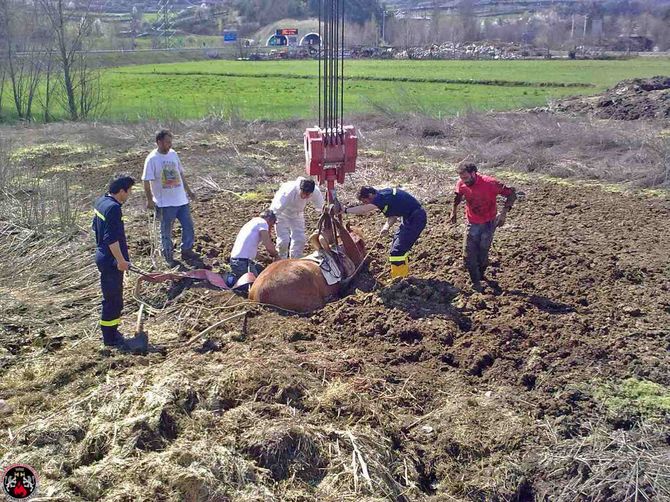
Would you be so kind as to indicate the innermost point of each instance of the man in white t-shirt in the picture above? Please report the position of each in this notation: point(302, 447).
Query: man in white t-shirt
point(248, 239)
point(289, 205)
point(166, 191)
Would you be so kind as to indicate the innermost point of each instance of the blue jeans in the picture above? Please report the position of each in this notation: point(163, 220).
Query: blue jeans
point(240, 266)
point(167, 215)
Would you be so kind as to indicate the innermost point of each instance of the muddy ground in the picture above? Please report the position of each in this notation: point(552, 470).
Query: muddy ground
point(551, 385)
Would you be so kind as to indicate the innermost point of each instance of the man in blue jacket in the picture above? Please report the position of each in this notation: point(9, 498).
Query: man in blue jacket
point(395, 204)
point(111, 257)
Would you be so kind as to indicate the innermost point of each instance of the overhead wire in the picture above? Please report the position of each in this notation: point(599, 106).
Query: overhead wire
point(341, 112)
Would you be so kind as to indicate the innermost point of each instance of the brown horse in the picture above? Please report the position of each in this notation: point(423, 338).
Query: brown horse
point(298, 284)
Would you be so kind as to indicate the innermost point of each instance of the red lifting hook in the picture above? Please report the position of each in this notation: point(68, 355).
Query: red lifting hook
point(330, 156)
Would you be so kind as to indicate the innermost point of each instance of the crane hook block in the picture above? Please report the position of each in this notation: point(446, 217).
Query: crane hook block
point(329, 156)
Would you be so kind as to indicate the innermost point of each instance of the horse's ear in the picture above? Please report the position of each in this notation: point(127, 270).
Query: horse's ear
point(355, 230)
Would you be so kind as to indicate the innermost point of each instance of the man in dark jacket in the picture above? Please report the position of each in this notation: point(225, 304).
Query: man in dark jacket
point(395, 204)
point(111, 257)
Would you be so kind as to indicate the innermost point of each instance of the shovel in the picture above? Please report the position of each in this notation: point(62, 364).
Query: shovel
point(140, 342)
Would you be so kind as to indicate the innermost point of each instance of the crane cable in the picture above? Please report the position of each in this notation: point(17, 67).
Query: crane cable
point(331, 70)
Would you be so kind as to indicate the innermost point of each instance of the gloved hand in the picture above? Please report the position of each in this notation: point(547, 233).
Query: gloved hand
point(384, 231)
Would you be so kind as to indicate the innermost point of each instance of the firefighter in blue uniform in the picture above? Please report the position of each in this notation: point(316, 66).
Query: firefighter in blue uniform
point(394, 204)
point(111, 257)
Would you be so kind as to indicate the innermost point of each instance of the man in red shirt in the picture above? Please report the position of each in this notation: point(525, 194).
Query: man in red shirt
point(480, 193)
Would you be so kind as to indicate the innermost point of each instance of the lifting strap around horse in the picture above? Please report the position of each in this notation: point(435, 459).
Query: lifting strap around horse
point(331, 220)
point(348, 245)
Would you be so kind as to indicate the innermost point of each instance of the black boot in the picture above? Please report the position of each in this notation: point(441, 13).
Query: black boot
point(111, 336)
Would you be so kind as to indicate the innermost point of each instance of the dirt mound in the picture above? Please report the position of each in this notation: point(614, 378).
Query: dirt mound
point(629, 100)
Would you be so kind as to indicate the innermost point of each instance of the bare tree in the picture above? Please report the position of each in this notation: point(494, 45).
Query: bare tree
point(3, 76)
point(78, 78)
point(405, 32)
point(23, 70)
point(88, 87)
point(434, 29)
point(49, 78)
point(467, 20)
point(659, 30)
point(3, 56)
point(554, 32)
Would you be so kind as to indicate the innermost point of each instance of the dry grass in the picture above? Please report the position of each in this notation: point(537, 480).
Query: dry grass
point(628, 152)
point(472, 436)
point(188, 470)
point(341, 399)
point(606, 464)
point(633, 152)
point(190, 450)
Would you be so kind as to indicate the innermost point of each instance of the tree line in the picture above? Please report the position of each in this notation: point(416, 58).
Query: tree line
point(565, 26)
point(264, 12)
point(551, 29)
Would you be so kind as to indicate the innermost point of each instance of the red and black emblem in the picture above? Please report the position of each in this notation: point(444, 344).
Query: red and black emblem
point(19, 482)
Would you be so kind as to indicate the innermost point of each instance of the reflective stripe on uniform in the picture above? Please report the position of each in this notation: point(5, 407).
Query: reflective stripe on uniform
point(386, 207)
point(113, 322)
point(99, 214)
point(393, 259)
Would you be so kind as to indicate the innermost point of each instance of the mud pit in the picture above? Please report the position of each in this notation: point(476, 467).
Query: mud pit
point(410, 390)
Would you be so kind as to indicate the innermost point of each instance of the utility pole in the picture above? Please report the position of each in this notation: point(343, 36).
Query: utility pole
point(165, 28)
point(586, 20)
point(383, 13)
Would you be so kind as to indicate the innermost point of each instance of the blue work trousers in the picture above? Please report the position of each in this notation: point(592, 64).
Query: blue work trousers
point(111, 283)
point(240, 266)
point(408, 232)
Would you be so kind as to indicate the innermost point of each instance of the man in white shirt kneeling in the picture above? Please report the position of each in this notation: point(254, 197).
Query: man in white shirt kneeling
point(248, 239)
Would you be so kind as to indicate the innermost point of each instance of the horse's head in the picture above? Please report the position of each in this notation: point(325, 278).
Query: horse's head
point(352, 242)
point(352, 238)
point(356, 234)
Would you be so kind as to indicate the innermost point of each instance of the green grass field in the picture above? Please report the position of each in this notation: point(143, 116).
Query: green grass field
point(275, 90)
